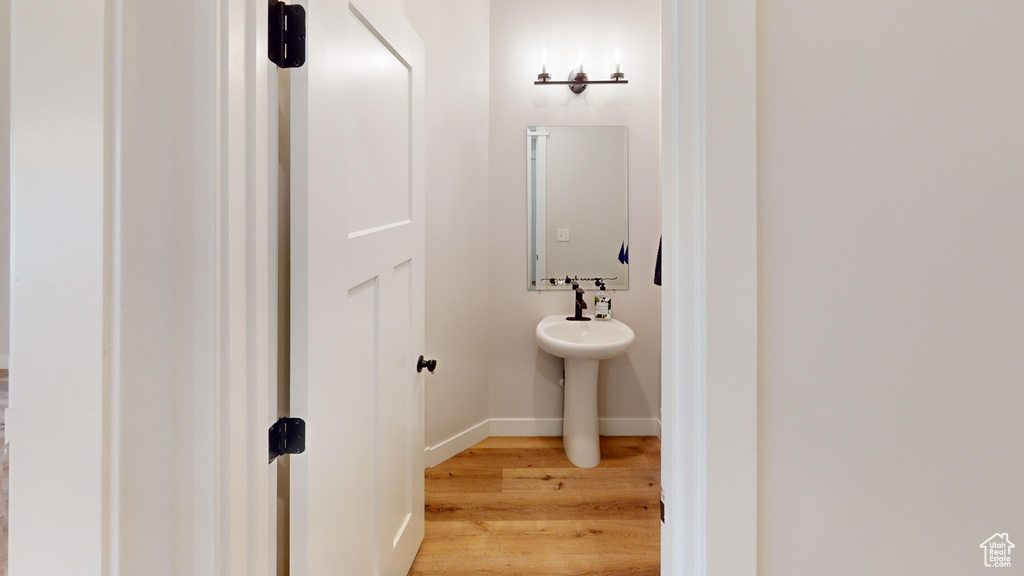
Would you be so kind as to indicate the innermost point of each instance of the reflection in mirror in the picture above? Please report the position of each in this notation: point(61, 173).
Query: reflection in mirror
point(577, 205)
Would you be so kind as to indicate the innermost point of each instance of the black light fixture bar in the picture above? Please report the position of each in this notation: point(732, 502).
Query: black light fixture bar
point(616, 81)
point(578, 81)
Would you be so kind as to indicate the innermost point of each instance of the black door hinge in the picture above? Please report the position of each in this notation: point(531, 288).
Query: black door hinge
point(286, 42)
point(287, 436)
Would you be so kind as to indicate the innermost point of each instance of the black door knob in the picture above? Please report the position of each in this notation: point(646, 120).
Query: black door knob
point(428, 364)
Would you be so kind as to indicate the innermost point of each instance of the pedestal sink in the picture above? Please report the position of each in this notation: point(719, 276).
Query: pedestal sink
point(583, 345)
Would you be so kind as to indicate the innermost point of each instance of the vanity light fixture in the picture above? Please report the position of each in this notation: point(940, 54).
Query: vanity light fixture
point(578, 80)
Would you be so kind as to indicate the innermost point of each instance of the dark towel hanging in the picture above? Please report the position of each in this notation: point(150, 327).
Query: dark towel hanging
point(657, 266)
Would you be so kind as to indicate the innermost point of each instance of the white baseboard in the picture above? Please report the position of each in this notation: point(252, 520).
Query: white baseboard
point(628, 426)
point(5, 362)
point(434, 455)
point(526, 426)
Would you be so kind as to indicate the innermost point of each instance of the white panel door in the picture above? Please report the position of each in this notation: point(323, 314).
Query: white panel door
point(357, 291)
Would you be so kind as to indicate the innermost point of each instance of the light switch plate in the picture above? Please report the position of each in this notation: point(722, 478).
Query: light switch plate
point(563, 234)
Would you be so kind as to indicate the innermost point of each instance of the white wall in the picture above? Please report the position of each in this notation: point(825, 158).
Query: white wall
point(5, 182)
point(523, 379)
point(58, 272)
point(456, 37)
point(891, 188)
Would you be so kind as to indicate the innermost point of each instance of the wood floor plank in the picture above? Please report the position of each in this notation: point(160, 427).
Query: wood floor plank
point(535, 565)
point(613, 455)
point(517, 506)
point(541, 505)
point(463, 480)
point(516, 528)
point(520, 442)
point(637, 541)
point(588, 537)
point(601, 479)
point(499, 458)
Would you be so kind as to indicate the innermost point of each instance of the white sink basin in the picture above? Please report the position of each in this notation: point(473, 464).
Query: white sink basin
point(583, 345)
point(594, 340)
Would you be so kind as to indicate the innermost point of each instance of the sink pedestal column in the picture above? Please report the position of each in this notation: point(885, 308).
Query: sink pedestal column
point(580, 435)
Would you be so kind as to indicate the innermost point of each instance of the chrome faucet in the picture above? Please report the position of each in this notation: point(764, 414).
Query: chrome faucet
point(580, 304)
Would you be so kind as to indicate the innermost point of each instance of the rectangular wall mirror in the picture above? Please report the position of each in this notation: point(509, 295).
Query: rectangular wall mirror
point(577, 205)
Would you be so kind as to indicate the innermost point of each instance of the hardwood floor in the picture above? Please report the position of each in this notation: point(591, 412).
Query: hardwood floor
point(518, 506)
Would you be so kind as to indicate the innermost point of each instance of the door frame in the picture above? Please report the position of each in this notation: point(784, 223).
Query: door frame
point(247, 284)
point(76, 80)
point(537, 195)
point(709, 294)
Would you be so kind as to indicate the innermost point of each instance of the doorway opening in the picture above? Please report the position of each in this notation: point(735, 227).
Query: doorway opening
point(492, 381)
